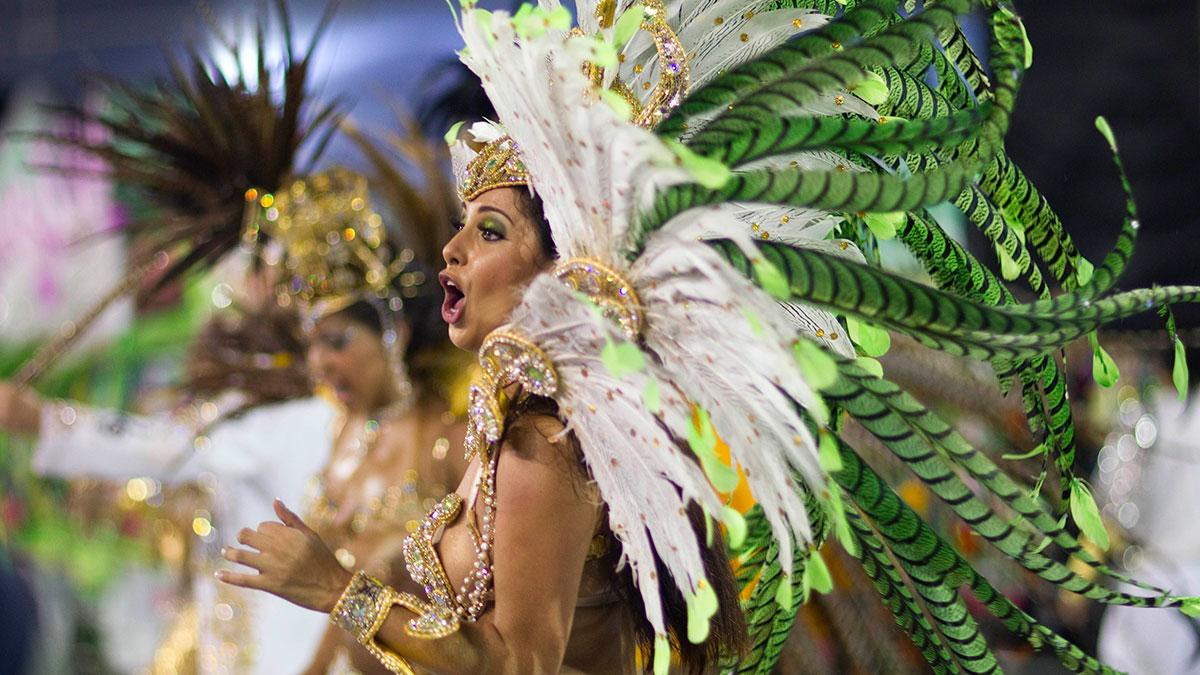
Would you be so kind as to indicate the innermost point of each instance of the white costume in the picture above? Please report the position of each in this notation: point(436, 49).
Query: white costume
point(244, 462)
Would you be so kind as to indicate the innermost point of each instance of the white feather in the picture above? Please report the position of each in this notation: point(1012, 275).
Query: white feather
point(647, 480)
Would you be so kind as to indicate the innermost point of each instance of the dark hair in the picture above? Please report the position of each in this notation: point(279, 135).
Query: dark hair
point(448, 93)
point(260, 353)
point(727, 634)
point(534, 209)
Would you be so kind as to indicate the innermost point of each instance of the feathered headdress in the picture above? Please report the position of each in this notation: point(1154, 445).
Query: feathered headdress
point(699, 161)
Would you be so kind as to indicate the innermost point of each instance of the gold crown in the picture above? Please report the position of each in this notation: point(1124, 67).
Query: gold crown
point(498, 164)
point(334, 245)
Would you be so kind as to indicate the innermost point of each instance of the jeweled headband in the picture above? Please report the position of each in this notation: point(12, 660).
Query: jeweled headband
point(498, 164)
point(334, 244)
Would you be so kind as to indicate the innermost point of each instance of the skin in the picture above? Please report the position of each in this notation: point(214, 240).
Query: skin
point(494, 255)
point(20, 410)
point(349, 358)
point(546, 512)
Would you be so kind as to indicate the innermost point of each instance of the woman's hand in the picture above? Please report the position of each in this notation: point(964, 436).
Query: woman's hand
point(292, 563)
point(20, 410)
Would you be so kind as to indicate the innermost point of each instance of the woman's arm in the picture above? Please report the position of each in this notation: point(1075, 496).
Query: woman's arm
point(74, 440)
point(544, 523)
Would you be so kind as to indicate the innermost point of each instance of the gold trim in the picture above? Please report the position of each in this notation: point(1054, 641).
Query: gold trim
point(615, 296)
point(362, 610)
point(498, 164)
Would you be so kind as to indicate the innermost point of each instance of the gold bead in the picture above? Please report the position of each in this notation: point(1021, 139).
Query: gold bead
point(745, 37)
point(839, 99)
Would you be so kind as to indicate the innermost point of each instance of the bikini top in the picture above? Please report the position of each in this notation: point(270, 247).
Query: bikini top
point(447, 609)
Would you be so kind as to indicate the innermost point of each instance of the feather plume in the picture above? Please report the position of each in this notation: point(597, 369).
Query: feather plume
point(196, 141)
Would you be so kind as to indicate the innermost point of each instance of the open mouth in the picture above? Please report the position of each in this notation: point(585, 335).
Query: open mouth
point(452, 305)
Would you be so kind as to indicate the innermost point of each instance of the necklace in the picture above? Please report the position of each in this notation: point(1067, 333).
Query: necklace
point(323, 511)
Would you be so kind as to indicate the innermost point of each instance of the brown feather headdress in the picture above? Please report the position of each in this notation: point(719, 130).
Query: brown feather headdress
point(192, 144)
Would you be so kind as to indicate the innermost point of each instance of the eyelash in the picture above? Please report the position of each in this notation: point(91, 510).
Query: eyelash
point(489, 234)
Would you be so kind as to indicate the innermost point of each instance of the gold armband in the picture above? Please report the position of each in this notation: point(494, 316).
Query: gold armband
point(361, 611)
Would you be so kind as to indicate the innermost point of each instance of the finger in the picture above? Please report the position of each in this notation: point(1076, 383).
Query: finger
point(251, 538)
point(289, 518)
point(242, 556)
point(255, 581)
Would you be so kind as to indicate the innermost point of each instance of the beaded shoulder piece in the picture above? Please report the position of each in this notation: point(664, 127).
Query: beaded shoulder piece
point(506, 359)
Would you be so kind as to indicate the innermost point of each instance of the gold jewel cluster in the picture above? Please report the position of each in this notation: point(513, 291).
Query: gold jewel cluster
point(498, 164)
point(674, 76)
point(606, 289)
point(333, 242)
point(361, 611)
point(446, 609)
point(505, 358)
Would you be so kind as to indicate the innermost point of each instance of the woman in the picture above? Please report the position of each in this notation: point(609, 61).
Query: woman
point(376, 347)
point(646, 332)
point(553, 555)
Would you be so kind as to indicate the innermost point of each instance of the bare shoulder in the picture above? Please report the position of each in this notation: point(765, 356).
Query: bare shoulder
point(536, 435)
point(539, 457)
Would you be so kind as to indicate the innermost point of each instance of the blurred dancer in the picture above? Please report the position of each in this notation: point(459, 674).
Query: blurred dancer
point(379, 348)
point(188, 149)
point(249, 429)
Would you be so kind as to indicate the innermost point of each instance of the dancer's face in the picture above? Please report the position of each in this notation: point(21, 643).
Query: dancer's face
point(348, 357)
point(489, 262)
